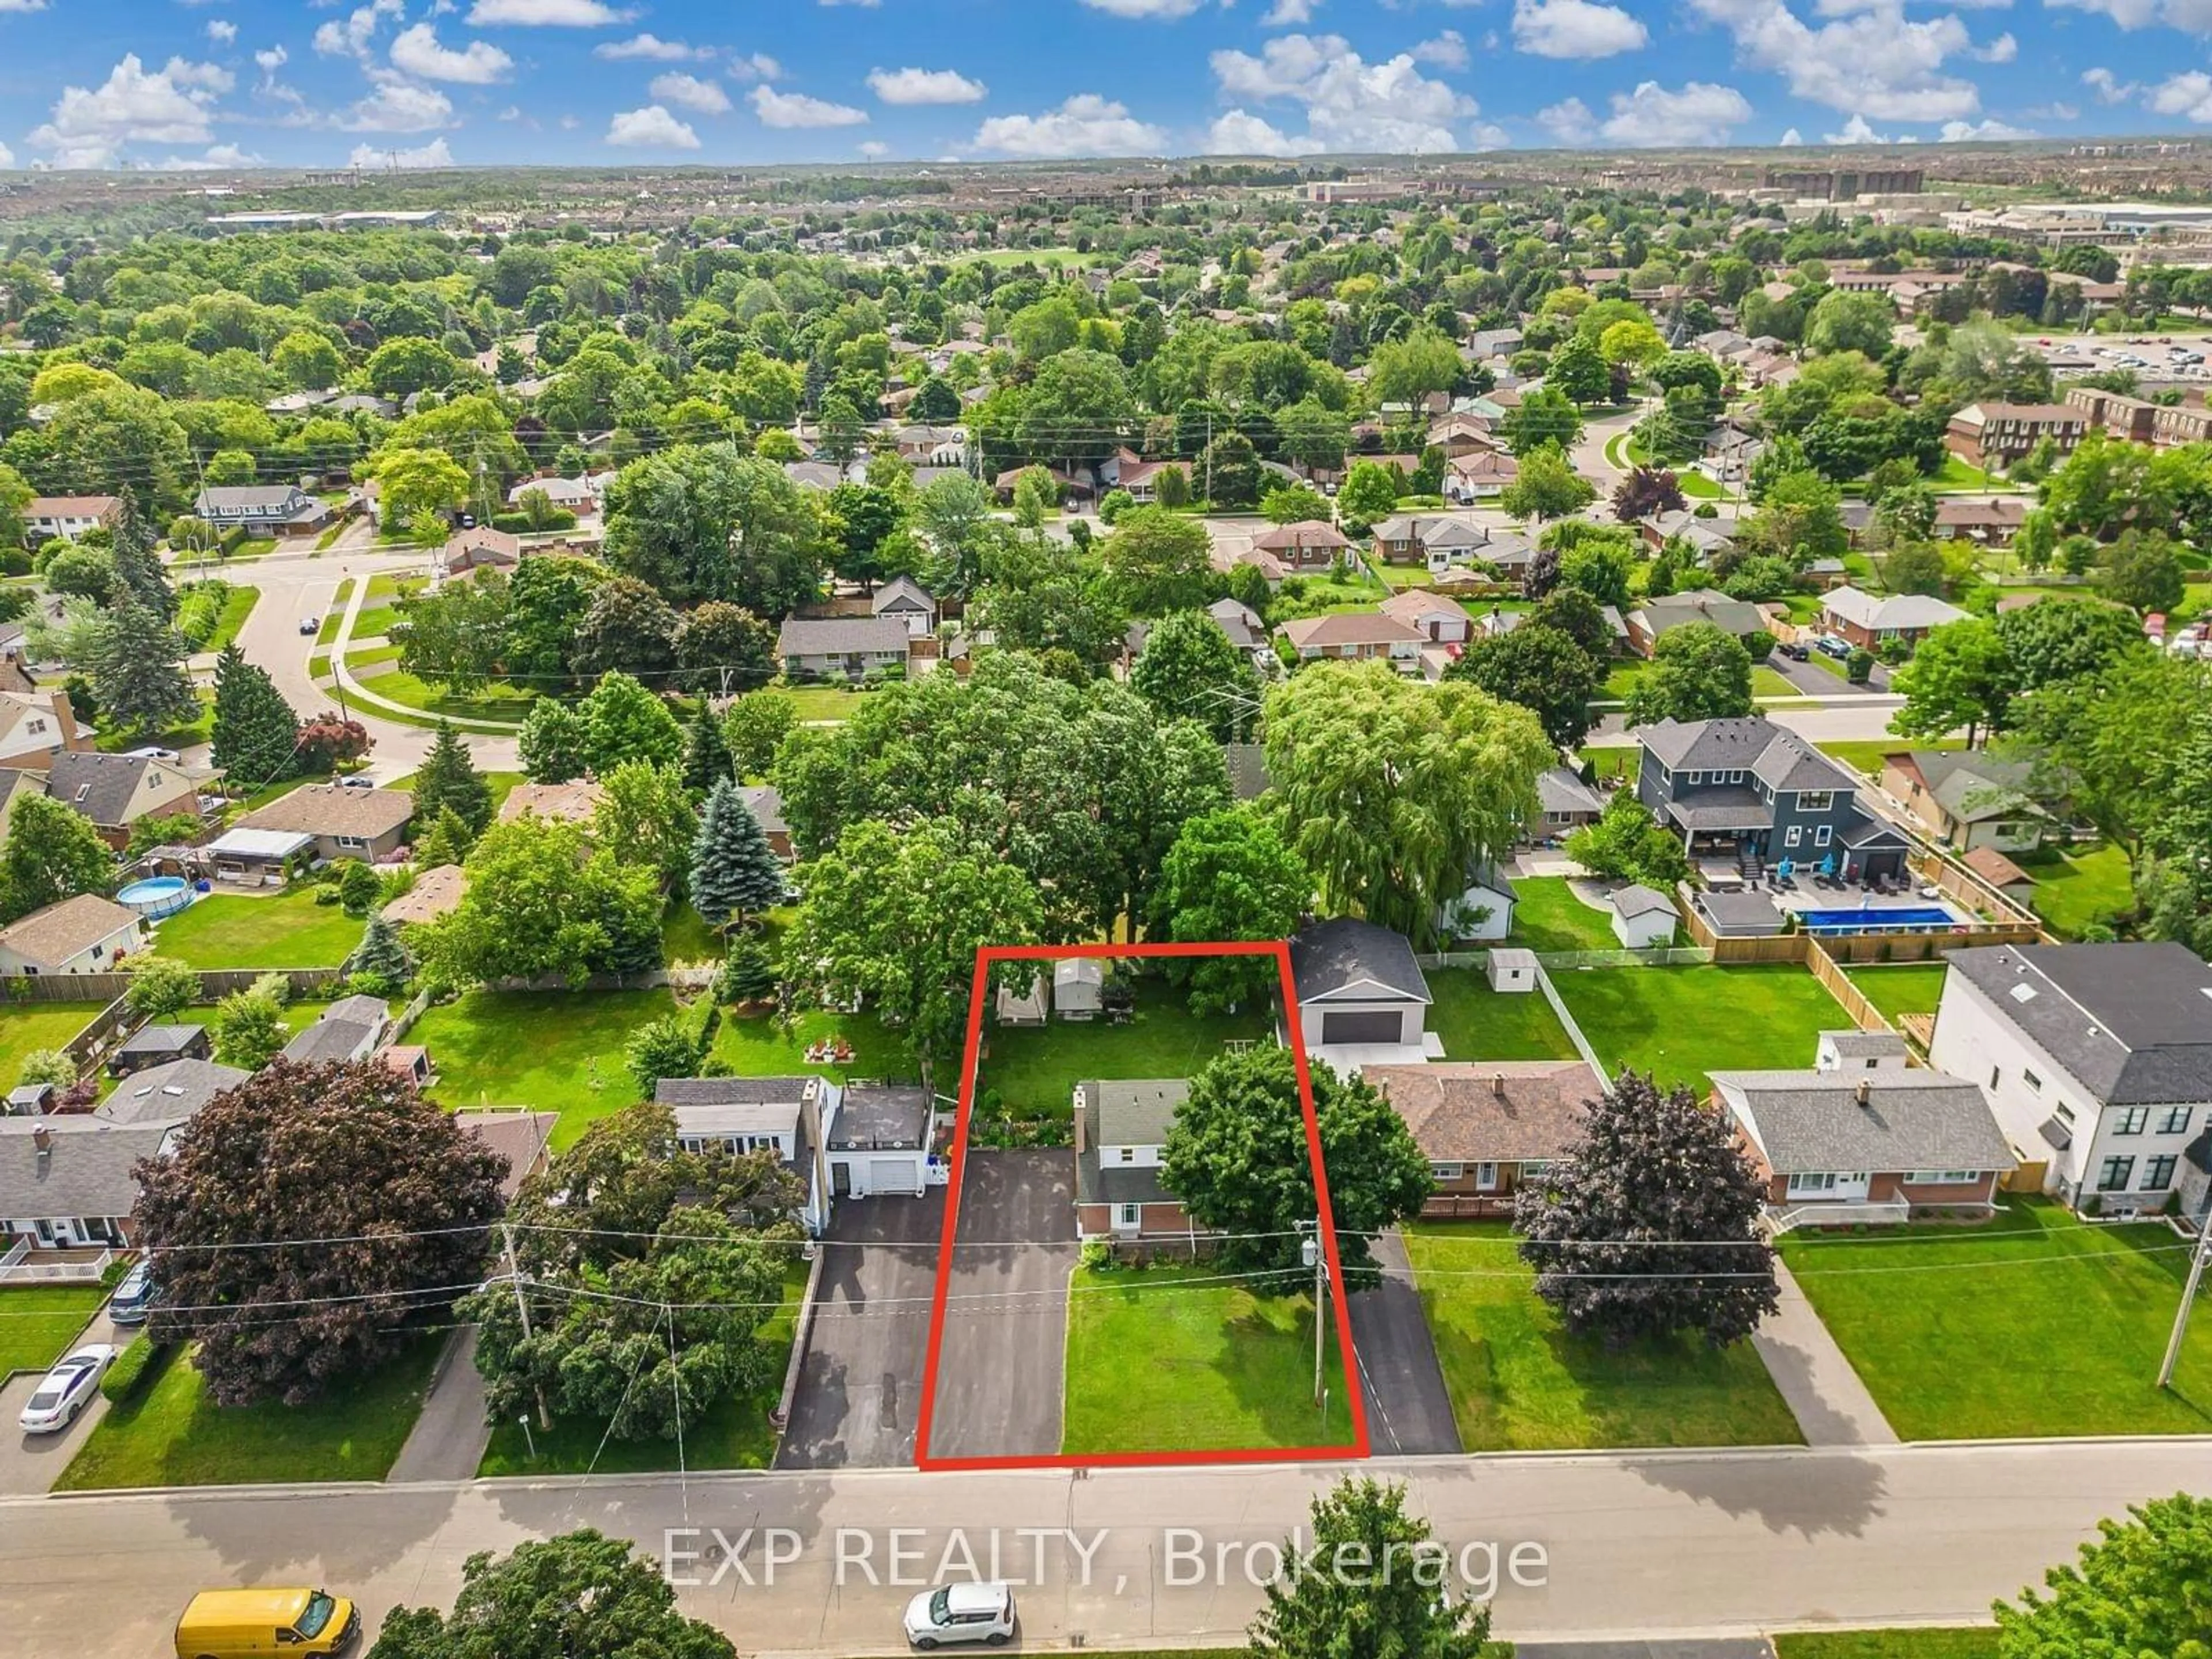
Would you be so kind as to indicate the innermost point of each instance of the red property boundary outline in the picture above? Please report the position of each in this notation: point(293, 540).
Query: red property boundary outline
point(979, 990)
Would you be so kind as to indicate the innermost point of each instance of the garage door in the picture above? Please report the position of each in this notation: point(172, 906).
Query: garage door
point(893, 1174)
point(1344, 1026)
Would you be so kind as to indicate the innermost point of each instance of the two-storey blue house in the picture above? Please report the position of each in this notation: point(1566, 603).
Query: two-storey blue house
point(1756, 793)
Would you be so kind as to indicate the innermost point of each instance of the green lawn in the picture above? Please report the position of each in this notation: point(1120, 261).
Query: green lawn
point(1771, 683)
point(1864, 756)
point(173, 1435)
point(823, 702)
point(686, 938)
point(1681, 1022)
point(2034, 1324)
point(1621, 678)
point(290, 930)
point(237, 605)
point(1611, 762)
point(502, 783)
point(1889, 1645)
point(1908, 988)
point(735, 1435)
point(2078, 890)
point(1158, 1362)
point(1547, 916)
point(1960, 474)
point(378, 606)
point(1476, 1022)
point(329, 630)
point(1519, 1383)
point(196, 731)
point(25, 1027)
point(1034, 1071)
point(298, 1015)
point(495, 704)
point(37, 1320)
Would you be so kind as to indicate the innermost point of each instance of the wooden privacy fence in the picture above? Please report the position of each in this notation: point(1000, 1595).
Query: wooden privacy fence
point(1855, 1002)
point(115, 1019)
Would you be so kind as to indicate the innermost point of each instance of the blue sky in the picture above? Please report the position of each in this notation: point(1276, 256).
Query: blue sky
point(224, 82)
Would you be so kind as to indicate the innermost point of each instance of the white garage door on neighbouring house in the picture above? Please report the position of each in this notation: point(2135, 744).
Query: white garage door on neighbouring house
point(1348, 1026)
point(895, 1175)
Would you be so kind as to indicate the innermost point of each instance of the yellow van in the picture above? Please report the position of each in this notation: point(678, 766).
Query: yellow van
point(245, 1624)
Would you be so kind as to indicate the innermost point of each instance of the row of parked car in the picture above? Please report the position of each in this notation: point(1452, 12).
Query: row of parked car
point(60, 1399)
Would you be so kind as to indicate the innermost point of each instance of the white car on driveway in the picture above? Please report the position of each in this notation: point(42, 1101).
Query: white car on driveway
point(58, 1401)
point(962, 1615)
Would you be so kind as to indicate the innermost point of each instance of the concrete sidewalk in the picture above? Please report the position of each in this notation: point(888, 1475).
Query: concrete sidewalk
point(448, 1439)
point(1832, 1405)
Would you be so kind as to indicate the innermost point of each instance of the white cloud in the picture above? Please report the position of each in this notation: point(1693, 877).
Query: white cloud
point(796, 109)
point(432, 154)
point(2108, 86)
point(1241, 133)
point(221, 31)
point(756, 66)
point(418, 51)
point(400, 107)
point(1568, 121)
point(547, 13)
point(1167, 9)
point(1984, 132)
point(271, 58)
point(2188, 94)
point(351, 37)
point(651, 128)
point(2003, 49)
point(1653, 118)
point(1447, 51)
point(216, 156)
point(1791, 138)
point(1350, 104)
point(874, 148)
point(650, 46)
point(173, 105)
point(1856, 131)
point(921, 86)
point(1287, 12)
point(691, 93)
point(22, 6)
point(6, 157)
point(2128, 14)
point(1875, 62)
point(1086, 124)
point(1576, 29)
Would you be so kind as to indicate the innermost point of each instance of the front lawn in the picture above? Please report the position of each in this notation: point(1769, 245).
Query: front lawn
point(1476, 1022)
point(818, 703)
point(173, 1435)
point(27, 1027)
point(1864, 756)
point(1519, 1383)
point(237, 605)
point(495, 704)
point(1034, 1071)
point(1159, 1360)
point(288, 930)
point(37, 1320)
point(1889, 1645)
point(1908, 988)
point(2032, 1324)
point(1547, 916)
point(1773, 682)
point(1681, 1022)
point(2078, 890)
point(735, 1435)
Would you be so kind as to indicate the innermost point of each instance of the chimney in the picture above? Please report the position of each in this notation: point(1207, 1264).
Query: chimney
point(1863, 1091)
point(1497, 1084)
point(42, 1137)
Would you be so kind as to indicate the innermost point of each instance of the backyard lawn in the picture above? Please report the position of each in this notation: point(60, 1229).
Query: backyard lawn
point(1519, 1383)
point(172, 1435)
point(1476, 1022)
point(37, 1320)
point(1908, 988)
point(2076, 891)
point(823, 702)
point(1034, 1071)
point(1547, 916)
point(27, 1027)
point(2034, 1324)
point(1864, 756)
point(1889, 1645)
point(1679, 1024)
point(736, 1434)
point(1157, 1364)
point(290, 930)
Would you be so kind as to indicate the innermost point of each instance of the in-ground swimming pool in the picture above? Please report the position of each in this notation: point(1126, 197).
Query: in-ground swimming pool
point(157, 896)
point(1911, 918)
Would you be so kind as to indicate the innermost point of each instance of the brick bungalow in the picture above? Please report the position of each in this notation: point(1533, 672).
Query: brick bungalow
point(1487, 1126)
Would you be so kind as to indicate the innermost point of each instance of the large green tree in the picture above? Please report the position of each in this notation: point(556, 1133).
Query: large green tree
point(51, 853)
point(255, 733)
point(542, 903)
point(701, 521)
point(1348, 1608)
point(1960, 675)
point(2144, 1588)
point(1698, 672)
point(1158, 560)
point(1542, 670)
point(645, 817)
point(554, 742)
point(734, 871)
point(138, 675)
point(1228, 877)
point(1189, 670)
point(449, 782)
point(622, 721)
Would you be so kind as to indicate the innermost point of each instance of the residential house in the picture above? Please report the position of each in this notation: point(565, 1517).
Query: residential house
point(349, 1029)
point(1839, 1149)
point(1995, 434)
point(1487, 343)
point(339, 822)
point(14, 785)
point(282, 510)
point(1991, 523)
point(574, 802)
point(906, 601)
point(580, 495)
point(67, 1182)
point(1241, 626)
point(1966, 800)
point(1138, 478)
point(1654, 617)
point(68, 517)
point(1643, 917)
point(1462, 434)
point(1437, 618)
point(1851, 613)
point(933, 446)
point(851, 648)
point(435, 893)
point(1705, 536)
point(1120, 1133)
point(879, 1139)
point(1303, 547)
point(477, 548)
point(35, 726)
point(169, 1092)
point(765, 802)
point(1436, 540)
point(1483, 910)
point(2098, 1060)
point(1482, 476)
point(1487, 1126)
point(157, 1045)
point(1565, 801)
point(119, 792)
point(523, 1138)
point(1355, 636)
point(1359, 987)
point(86, 935)
point(256, 857)
point(2133, 419)
point(2183, 423)
point(854, 1140)
point(1753, 791)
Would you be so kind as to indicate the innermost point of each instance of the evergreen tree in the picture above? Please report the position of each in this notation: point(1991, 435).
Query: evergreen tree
point(734, 873)
point(707, 760)
point(381, 956)
point(255, 733)
point(139, 675)
point(554, 742)
point(447, 841)
point(137, 567)
point(449, 782)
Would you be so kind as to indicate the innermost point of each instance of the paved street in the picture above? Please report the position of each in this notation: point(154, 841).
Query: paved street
point(1636, 1546)
point(1846, 720)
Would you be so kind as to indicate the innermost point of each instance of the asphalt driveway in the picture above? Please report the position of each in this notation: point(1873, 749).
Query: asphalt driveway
point(861, 1384)
point(1003, 1362)
point(1408, 1408)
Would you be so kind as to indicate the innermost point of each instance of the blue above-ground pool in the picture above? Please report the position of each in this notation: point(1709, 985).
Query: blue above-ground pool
point(1917, 918)
point(157, 896)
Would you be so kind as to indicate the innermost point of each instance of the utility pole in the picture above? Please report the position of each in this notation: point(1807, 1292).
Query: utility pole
point(522, 1311)
point(2198, 1262)
point(1317, 1260)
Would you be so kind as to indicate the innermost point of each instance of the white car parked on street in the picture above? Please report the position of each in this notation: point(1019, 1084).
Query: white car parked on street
point(959, 1615)
point(67, 1390)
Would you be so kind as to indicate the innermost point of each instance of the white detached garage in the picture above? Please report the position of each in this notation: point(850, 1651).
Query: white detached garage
point(1360, 994)
point(878, 1141)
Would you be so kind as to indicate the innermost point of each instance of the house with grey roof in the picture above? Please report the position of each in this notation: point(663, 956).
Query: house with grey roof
point(119, 791)
point(349, 1029)
point(157, 1045)
point(847, 647)
point(1565, 802)
point(908, 602)
point(69, 1182)
point(1875, 620)
point(1967, 798)
point(86, 934)
point(169, 1092)
point(2098, 1061)
point(1755, 792)
point(842, 1141)
point(1363, 999)
point(1120, 1134)
point(1654, 617)
point(1844, 1148)
point(261, 509)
